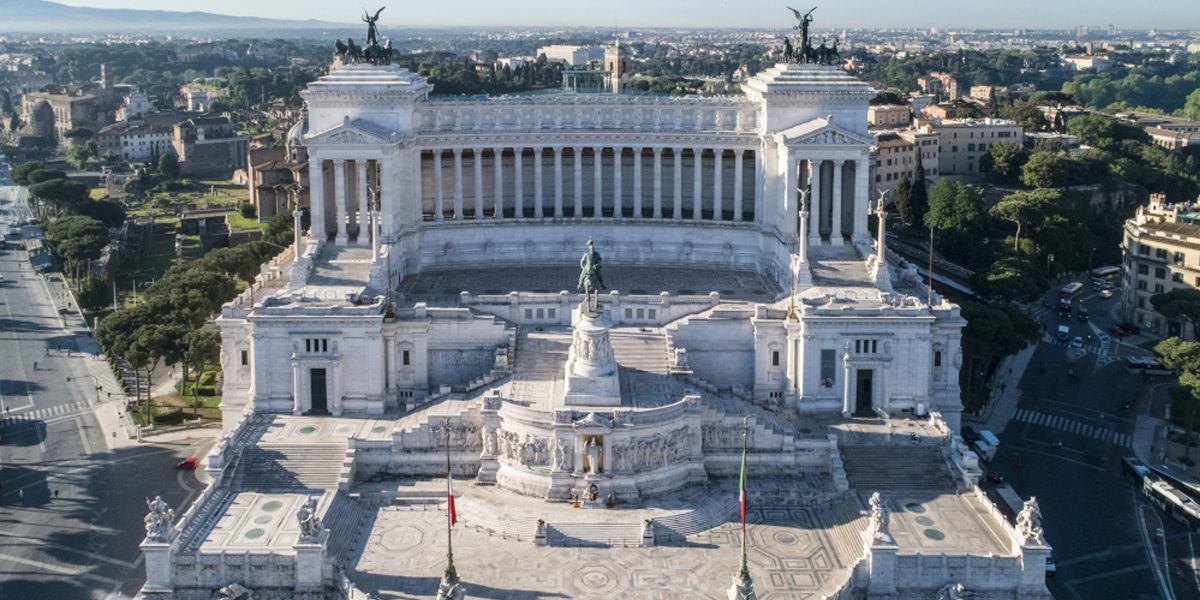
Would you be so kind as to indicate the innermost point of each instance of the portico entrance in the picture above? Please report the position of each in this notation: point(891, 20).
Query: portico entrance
point(320, 403)
point(863, 389)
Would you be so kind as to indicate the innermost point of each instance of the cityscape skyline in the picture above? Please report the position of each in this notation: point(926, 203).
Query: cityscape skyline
point(945, 14)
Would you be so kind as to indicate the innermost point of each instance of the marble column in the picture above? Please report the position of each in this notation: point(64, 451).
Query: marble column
point(498, 184)
point(339, 197)
point(618, 199)
point(637, 182)
point(760, 184)
point(697, 185)
point(537, 182)
point(297, 389)
point(598, 183)
point(316, 197)
point(847, 386)
point(658, 182)
point(677, 206)
point(438, 201)
point(862, 200)
point(477, 163)
point(814, 200)
point(519, 182)
point(558, 182)
point(360, 190)
point(458, 185)
point(578, 167)
point(835, 205)
point(791, 198)
point(718, 183)
point(738, 187)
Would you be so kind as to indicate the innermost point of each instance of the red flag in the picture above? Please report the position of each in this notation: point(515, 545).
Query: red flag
point(453, 514)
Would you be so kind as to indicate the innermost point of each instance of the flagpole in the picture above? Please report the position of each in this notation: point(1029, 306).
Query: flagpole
point(745, 429)
point(743, 586)
point(449, 588)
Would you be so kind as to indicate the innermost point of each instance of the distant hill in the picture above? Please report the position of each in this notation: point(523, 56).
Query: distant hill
point(39, 16)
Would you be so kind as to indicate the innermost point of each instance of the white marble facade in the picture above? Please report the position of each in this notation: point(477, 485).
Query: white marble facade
point(431, 184)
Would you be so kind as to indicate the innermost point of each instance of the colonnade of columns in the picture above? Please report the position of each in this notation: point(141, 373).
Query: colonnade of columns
point(610, 195)
point(352, 202)
point(834, 194)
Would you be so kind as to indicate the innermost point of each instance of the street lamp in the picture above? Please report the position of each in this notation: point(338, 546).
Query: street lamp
point(1049, 259)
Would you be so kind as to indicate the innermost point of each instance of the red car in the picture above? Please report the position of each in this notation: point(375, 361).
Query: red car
point(993, 476)
point(1118, 331)
point(187, 464)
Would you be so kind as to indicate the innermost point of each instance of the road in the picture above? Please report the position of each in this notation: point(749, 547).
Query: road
point(1099, 524)
point(71, 506)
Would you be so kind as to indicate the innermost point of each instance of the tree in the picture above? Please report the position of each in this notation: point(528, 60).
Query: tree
point(956, 210)
point(992, 332)
point(79, 154)
point(1003, 162)
point(1181, 303)
point(200, 347)
point(78, 241)
point(112, 214)
point(168, 166)
point(14, 122)
point(1024, 208)
point(1103, 132)
point(1184, 357)
point(1047, 170)
point(904, 191)
point(20, 173)
point(1028, 115)
point(40, 175)
point(920, 194)
point(61, 193)
point(6, 105)
point(78, 134)
point(888, 97)
point(93, 293)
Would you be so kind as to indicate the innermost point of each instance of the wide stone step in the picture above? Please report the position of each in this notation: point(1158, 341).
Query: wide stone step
point(594, 535)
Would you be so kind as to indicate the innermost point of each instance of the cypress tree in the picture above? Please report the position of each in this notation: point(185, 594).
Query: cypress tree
point(904, 191)
point(920, 195)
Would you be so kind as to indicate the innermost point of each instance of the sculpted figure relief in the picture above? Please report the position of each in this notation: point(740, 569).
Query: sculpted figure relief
point(1029, 522)
point(881, 518)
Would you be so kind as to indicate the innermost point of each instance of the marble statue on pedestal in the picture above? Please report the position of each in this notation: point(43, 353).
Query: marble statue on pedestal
point(158, 521)
point(954, 591)
point(310, 523)
point(1029, 522)
point(881, 517)
point(236, 591)
point(592, 450)
point(591, 281)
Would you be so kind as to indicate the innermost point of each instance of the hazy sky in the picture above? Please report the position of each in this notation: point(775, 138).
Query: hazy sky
point(1006, 14)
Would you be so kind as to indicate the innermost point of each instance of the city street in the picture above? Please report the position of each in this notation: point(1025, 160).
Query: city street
point(1065, 444)
point(73, 495)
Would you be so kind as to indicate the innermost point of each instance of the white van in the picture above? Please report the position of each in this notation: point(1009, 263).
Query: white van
point(992, 441)
point(983, 450)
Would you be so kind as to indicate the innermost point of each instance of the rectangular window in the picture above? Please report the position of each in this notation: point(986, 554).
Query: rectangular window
point(550, 312)
point(324, 345)
point(641, 313)
point(1143, 269)
point(405, 359)
point(1160, 273)
point(828, 367)
point(308, 345)
point(1144, 250)
point(1160, 253)
point(529, 313)
point(1177, 277)
point(1178, 258)
point(774, 358)
point(937, 359)
point(1158, 288)
point(858, 346)
point(245, 358)
point(653, 312)
point(629, 313)
point(1141, 302)
point(874, 346)
point(1141, 284)
point(541, 313)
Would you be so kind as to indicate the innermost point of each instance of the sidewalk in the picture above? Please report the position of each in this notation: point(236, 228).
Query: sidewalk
point(1003, 403)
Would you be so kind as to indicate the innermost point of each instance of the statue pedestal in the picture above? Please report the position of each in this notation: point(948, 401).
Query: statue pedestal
point(591, 374)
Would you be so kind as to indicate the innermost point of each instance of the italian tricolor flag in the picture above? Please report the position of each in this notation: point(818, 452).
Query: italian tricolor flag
point(450, 487)
point(742, 486)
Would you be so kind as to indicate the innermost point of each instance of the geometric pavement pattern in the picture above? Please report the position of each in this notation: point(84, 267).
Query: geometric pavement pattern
point(790, 556)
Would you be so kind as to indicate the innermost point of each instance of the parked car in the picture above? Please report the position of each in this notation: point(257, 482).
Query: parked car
point(1077, 342)
point(993, 476)
point(1083, 314)
point(1131, 328)
point(892, 235)
point(1050, 568)
point(1106, 294)
point(1118, 331)
point(187, 464)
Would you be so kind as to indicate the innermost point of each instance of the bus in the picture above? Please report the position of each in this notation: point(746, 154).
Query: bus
point(1134, 468)
point(1106, 272)
point(1071, 291)
point(1172, 501)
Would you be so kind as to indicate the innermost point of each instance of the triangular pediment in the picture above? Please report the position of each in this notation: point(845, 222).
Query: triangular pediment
point(351, 132)
point(821, 132)
point(593, 420)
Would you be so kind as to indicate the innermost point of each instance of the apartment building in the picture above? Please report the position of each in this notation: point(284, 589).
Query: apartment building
point(1161, 251)
point(962, 142)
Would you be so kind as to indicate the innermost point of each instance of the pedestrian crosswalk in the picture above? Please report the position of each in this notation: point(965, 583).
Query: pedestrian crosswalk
point(43, 413)
point(1087, 348)
point(1103, 434)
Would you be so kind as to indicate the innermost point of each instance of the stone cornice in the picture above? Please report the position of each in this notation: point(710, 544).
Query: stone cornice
point(588, 139)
